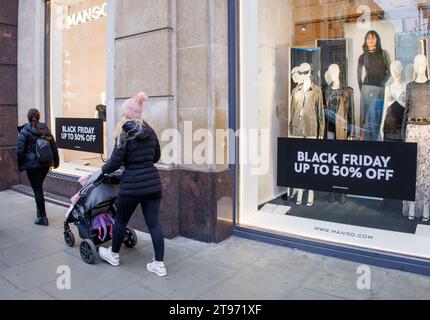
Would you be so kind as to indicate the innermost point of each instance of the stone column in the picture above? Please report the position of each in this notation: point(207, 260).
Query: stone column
point(205, 190)
point(145, 60)
point(8, 92)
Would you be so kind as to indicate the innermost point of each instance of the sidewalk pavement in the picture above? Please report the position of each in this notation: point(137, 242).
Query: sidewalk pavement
point(237, 269)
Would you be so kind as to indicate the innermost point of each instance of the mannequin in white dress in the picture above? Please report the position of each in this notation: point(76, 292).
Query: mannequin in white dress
point(394, 105)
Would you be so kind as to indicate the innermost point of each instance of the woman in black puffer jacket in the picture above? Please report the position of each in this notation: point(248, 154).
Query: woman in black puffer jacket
point(137, 150)
point(27, 160)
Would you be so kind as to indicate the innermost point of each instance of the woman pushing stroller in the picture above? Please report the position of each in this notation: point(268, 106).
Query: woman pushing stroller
point(137, 149)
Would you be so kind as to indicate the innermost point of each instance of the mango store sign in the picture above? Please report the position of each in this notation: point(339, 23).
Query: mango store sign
point(84, 16)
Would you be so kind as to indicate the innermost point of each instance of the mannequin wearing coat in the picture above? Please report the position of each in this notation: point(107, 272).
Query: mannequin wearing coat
point(307, 116)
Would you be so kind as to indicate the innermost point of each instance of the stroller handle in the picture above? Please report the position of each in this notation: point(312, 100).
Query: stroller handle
point(112, 178)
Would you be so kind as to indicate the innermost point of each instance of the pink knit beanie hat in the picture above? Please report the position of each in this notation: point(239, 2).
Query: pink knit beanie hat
point(132, 108)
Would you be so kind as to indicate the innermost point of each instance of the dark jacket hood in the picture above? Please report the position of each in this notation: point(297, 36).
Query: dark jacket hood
point(28, 126)
point(138, 131)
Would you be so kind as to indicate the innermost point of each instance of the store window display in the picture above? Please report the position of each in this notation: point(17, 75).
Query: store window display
point(374, 96)
point(78, 76)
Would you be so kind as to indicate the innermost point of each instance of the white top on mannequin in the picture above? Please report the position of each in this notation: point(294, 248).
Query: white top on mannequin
point(333, 74)
point(394, 92)
point(305, 69)
point(420, 67)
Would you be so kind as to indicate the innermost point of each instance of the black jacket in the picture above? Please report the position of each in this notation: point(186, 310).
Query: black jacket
point(138, 149)
point(27, 147)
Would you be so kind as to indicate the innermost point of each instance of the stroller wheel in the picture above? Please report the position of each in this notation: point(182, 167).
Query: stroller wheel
point(88, 251)
point(130, 238)
point(69, 238)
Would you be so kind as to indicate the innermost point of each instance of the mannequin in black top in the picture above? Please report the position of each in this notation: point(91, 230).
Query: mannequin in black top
point(376, 63)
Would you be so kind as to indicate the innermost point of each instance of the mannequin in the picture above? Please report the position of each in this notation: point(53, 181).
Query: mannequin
point(394, 105)
point(375, 62)
point(101, 108)
point(100, 113)
point(339, 111)
point(298, 80)
point(417, 121)
point(307, 115)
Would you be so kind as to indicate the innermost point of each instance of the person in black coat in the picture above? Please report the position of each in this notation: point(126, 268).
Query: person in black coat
point(137, 149)
point(27, 159)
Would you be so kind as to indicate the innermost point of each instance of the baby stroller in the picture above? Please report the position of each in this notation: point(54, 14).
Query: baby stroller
point(93, 214)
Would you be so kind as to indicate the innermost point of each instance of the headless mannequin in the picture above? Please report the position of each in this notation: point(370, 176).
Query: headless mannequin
point(103, 100)
point(332, 77)
point(305, 70)
point(394, 91)
point(420, 67)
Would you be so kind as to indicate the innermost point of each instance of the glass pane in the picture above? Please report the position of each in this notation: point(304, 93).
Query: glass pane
point(350, 73)
point(78, 71)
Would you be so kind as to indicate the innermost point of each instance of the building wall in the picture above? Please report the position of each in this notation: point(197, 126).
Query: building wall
point(177, 51)
point(30, 58)
point(8, 91)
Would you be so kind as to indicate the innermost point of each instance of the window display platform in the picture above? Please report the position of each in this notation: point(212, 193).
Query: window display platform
point(384, 215)
point(75, 169)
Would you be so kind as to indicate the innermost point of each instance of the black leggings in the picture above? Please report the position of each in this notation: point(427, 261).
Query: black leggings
point(36, 178)
point(151, 210)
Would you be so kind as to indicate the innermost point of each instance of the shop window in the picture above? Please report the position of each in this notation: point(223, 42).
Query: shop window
point(336, 74)
point(78, 46)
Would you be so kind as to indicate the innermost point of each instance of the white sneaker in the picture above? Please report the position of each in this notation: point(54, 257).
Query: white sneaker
point(107, 255)
point(158, 268)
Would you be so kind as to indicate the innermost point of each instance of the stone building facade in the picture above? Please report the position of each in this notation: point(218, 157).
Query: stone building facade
point(174, 50)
